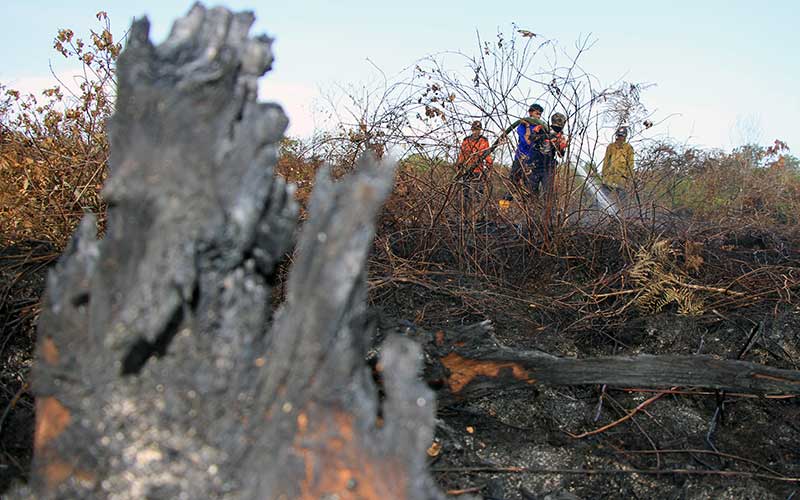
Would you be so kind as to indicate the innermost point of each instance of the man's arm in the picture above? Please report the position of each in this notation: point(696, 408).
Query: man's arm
point(630, 157)
point(484, 148)
point(561, 142)
point(523, 131)
point(606, 159)
point(462, 153)
point(628, 169)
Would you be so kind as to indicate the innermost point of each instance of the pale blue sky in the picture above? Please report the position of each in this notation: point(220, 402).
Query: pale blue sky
point(713, 62)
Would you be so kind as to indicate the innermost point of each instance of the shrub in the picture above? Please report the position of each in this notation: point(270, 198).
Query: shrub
point(54, 156)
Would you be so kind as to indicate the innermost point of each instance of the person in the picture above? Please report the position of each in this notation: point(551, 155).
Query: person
point(474, 162)
point(618, 164)
point(545, 145)
point(522, 164)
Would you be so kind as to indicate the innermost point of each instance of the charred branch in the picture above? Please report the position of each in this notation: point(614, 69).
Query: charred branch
point(469, 362)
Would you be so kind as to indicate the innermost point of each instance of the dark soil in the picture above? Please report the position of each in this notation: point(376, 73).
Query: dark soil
point(707, 435)
point(705, 445)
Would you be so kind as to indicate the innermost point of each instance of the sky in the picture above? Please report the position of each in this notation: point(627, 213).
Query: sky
point(725, 72)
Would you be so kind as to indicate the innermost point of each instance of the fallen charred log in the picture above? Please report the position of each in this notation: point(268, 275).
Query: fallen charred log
point(161, 370)
point(470, 362)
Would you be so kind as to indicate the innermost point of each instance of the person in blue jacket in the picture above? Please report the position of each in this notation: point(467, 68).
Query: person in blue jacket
point(523, 159)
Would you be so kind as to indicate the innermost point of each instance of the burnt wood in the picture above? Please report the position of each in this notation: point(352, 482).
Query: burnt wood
point(469, 362)
point(162, 370)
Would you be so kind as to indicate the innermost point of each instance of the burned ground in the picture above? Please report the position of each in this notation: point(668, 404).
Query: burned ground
point(684, 442)
point(23, 268)
point(516, 443)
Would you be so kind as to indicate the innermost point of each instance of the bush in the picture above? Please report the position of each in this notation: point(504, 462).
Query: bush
point(54, 146)
point(752, 182)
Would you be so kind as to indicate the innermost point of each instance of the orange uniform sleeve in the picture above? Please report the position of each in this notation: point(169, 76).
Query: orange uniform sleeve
point(562, 143)
point(484, 146)
point(463, 153)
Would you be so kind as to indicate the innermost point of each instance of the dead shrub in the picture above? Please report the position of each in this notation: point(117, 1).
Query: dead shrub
point(54, 148)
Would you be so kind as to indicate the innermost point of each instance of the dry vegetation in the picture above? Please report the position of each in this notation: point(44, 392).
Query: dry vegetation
point(54, 147)
point(53, 162)
point(708, 235)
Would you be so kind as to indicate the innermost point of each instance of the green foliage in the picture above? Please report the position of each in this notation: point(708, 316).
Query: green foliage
point(752, 181)
point(419, 162)
point(791, 163)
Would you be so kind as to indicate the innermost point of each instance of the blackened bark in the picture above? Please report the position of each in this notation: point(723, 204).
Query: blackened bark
point(469, 362)
point(161, 370)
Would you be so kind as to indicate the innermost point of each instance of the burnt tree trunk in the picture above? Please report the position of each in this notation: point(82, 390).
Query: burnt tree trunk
point(469, 362)
point(161, 370)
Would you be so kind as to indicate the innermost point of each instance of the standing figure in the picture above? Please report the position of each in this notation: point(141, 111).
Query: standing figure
point(546, 143)
point(474, 162)
point(618, 165)
point(523, 162)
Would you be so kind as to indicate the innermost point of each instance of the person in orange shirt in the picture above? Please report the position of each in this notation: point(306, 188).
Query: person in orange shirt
point(473, 162)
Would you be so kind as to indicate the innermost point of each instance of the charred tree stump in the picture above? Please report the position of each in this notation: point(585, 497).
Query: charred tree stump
point(470, 362)
point(161, 371)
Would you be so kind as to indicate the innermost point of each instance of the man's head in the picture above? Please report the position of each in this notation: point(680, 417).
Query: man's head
point(557, 122)
point(535, 111)
point(621, 134)
point(476, 128)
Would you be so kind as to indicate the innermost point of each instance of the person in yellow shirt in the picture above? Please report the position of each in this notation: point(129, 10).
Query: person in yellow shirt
point(618, 164)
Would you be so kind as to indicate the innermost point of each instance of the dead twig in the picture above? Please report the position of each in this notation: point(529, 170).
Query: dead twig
point(708, 452)
point(615, 423)
point(597, 472)
point(711, 393)
point(464, 491)
point(12, 404)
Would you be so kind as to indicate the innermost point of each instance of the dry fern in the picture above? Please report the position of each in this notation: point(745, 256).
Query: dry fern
point(662, 282)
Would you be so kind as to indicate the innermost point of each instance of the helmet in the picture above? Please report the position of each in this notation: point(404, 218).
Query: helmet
point(558, 120)
point(476, 125)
